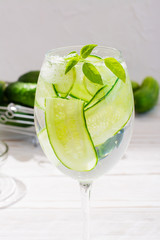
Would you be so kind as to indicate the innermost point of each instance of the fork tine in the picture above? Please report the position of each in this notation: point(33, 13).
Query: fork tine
point(11, 115)
point(4, 119)
point(25, 115)
point(3, 108)
point(18, 108)
point(12, 111)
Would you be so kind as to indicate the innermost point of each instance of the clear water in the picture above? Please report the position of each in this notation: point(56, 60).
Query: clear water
point(109, 152)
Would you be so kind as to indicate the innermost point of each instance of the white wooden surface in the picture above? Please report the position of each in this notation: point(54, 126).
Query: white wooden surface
point(125, 202)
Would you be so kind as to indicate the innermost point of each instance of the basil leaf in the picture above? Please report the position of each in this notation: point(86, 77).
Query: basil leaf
point(72, 62)
point(116, 68)
point(86, 50)
point(71, 55)
point(73, 52)
point(91, 72)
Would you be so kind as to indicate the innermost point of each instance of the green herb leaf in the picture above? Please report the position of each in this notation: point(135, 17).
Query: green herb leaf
point(72, 62)
point(116, 68)
point(73, 52)
point(91, 72)
point(86, 50)
point(71, 55)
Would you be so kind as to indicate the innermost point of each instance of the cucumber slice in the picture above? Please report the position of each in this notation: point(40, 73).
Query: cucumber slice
point(107, 76)
point(93, 59)
point(110, 114)
point(100, 94)
point(47, 149)
point(79, 90)
point(91, 87)
point(64, 86)
point(83, 88)
point(44, 89)
point(53, 71)
point(68, 134)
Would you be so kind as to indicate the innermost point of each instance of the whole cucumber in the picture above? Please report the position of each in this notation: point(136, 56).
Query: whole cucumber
point(147, 95)
point(21, 93)
point(29, 77)
point(135, 86)
point(2, 87)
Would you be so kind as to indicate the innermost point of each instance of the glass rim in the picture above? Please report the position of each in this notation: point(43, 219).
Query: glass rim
point(115, 50)
point(5, 151)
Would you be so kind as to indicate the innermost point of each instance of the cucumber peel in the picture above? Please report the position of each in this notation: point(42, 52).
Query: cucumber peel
point(109, 114)
point(2, 88)
point(29, 77)
point(21, 93)
point(44, 89)
point(68, 134)
point(100, 94)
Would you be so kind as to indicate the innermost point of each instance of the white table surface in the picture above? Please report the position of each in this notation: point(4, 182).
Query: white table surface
point(125, 202)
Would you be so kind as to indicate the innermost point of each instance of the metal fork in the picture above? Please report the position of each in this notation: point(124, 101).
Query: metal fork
point(25, 115)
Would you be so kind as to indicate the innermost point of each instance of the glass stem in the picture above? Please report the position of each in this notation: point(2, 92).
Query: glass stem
point(85, 198)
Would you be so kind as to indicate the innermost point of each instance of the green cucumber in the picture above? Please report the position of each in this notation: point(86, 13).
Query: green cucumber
point(110, 113)
point(135, 86)
point(147, 95)
point(2, 88)
point(68, 134)
point(21, 93)
point(44, 89)
point(29, 77)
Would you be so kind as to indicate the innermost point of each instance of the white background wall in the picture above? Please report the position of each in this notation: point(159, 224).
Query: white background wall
point(30, 28)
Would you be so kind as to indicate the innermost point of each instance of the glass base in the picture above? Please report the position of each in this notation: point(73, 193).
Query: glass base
point(11, 190)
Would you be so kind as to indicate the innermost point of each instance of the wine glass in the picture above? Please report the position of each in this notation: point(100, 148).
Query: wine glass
point(11, 189)
point(84, 113)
